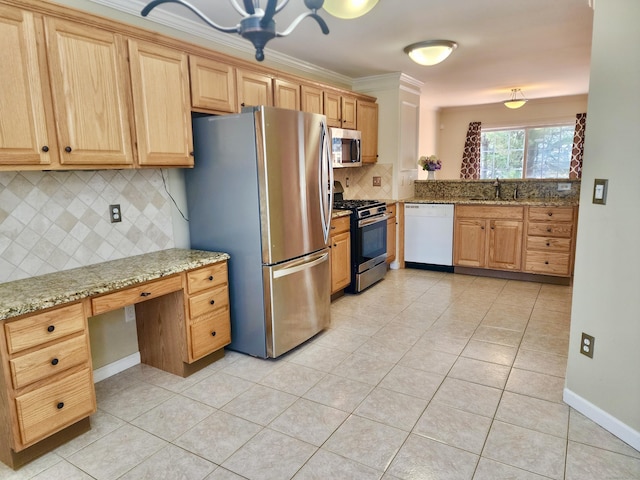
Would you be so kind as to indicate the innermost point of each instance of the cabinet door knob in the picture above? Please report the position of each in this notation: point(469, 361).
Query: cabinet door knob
point(546, 262)
point(51, 328)
point(213, 334)
point(212, 302)
point(210, 278)
point(482, 228)
point(67, 149)
point(191, 154)
point(550, 214)
point(335, 244)
point(548, 244)
point(60, 405)
point(54, 361)
point(45, 149)
point(549, 229)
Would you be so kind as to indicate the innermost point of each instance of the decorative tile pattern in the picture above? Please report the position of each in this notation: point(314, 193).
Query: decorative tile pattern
point(52, 221)
point(360, 181)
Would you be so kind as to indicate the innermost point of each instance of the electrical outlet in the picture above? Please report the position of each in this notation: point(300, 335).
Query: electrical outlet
point(564, 187)
point(377, 181)
point(130, 313)
point(115, 213)
point(587, 343)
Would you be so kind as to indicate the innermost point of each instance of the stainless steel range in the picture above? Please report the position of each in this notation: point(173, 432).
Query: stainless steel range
point(368, 241)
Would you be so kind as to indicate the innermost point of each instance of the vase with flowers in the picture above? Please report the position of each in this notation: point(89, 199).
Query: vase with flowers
point(430, 163)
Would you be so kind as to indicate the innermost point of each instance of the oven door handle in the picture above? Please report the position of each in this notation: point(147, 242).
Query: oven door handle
point(371, 221)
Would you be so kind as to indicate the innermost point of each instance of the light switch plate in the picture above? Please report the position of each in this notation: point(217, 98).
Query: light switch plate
point(600, 191)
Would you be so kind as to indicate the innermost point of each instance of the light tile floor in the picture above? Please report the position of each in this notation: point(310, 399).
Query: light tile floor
point(424, 376)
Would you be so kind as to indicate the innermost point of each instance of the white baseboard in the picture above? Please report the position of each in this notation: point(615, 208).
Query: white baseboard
point(116, 367)
point(621, 430)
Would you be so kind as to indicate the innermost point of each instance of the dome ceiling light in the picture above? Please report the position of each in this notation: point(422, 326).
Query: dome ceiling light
point(514, 101)
point(430, 52)
point(348, 9)
point(257, 25)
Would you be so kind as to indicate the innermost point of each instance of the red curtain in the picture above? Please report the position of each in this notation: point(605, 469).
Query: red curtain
point(575, 171)
point(470, 169)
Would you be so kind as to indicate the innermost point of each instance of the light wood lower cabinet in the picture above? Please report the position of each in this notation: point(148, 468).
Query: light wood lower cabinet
point(488, 237)
point(392, 223)
point(48, 382)
point(550, 240)
point(340, 253)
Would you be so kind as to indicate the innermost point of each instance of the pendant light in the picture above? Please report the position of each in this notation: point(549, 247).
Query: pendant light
point(515, 102)
point(430, 52)
point(348, 8)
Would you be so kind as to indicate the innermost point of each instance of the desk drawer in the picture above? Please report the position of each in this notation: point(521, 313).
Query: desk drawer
point(562, 230)
point(210, 333)
point(49, 409)
point(41, 363)
point(44, 327)
point(548, 263)
point(549, 244)
point(208, 302)
point(207, 277)
point(135, 294)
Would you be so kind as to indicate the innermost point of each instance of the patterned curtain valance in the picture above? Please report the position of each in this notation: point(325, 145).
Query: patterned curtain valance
point(470, 169)
point(575, 171)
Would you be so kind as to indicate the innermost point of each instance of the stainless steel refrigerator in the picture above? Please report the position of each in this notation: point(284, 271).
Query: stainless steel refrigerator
point(261, 191)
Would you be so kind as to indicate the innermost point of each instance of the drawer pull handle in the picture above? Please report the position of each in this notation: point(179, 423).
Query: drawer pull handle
point(551, 214)
point(213, 334)
point(54, 361)
point(549, 229)
point(51, 328)
point(212, 302)
point(145, 294)
point(210, 278)
point(60, 405)
point(546, 262)
point(548, 244)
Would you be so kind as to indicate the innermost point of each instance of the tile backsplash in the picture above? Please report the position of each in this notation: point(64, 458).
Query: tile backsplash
point(52, 221)
point(360, 181)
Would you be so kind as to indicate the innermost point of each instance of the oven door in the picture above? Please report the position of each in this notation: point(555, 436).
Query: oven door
point(370, 243)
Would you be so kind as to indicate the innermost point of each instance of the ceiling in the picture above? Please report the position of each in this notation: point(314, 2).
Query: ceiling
point(540, 46)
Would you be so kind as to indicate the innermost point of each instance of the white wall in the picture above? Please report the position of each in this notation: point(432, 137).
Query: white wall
point(606, 293)
point(452, 124)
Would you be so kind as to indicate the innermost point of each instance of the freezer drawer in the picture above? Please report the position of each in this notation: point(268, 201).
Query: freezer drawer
point(297, 299)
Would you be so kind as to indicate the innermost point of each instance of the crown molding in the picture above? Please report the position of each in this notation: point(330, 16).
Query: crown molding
point(388, 81)
point(235, 43)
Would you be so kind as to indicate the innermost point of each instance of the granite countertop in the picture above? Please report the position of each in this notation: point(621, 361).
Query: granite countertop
point(340, 213)
point(553, 202)
point(45, 291)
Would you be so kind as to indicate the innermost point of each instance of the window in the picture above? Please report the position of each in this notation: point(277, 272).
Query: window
point(532, 152)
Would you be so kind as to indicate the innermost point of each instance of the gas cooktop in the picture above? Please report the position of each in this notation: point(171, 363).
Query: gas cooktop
point(354, 204)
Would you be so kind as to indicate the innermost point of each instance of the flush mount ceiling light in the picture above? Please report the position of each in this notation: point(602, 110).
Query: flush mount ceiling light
point(348, 8)
point(257, 25)
point(430, 52)
point(514, 101)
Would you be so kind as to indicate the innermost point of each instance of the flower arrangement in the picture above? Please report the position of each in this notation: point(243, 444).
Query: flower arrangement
point(430, 163)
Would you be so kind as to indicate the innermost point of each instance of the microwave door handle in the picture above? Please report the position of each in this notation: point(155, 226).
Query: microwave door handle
point(358, 157)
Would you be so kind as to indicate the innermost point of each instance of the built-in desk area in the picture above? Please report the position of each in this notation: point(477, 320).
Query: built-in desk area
point(46, 390)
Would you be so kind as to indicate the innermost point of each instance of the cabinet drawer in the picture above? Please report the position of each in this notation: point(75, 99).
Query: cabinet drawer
point(208, 301)
point(44, 327)
point(548, 263)
point(135, 294)
point(53, 407)
point(562, 230)
point(340, 224)
point(551, 214)
point(499, 213)
point(206, 277)
point(210, 333)
point(41, 363)
point(549, 244)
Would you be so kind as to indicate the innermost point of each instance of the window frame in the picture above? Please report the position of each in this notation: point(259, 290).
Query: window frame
point(525, 153)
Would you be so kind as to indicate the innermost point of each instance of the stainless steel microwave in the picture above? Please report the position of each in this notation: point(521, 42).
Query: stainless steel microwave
point(346, 147)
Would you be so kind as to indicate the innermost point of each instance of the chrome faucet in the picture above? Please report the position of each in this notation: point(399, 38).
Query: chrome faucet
point(515, 192)
point(496, 185)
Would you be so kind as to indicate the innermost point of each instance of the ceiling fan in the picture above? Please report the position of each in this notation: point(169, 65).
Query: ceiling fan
point(257, 25)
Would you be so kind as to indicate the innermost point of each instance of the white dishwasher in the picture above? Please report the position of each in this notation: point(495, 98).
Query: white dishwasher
point(428, 233)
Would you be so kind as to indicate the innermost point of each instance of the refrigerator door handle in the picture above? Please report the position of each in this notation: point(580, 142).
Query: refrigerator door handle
point(326, 181)
point(301, 265)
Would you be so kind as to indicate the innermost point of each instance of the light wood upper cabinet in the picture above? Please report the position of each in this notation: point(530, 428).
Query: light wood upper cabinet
point(27, 135)
point(333, 109)
point(213, 85)
point(90, 94)
point(286, 94)
point(349, 112)
point(312, 99)
point(254, 88)
point(367, 116)
point(163, 122)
